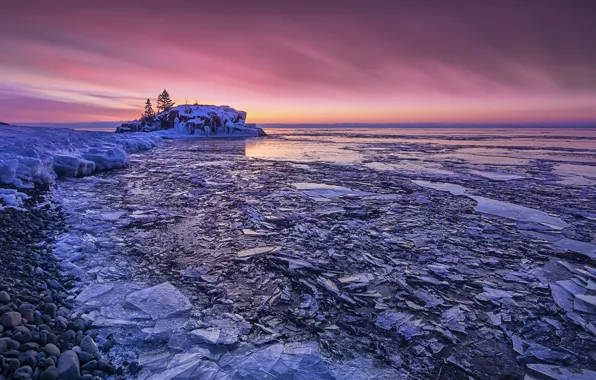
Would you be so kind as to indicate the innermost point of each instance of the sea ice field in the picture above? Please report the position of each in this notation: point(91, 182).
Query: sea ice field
point(356, 253)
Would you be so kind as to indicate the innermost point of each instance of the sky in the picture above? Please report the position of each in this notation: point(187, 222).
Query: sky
point(307, 61)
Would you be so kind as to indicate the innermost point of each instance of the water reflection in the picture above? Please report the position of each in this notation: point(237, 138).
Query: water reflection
point(301, 151)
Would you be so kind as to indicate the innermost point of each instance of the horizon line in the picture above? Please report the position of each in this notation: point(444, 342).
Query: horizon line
point(553, 124)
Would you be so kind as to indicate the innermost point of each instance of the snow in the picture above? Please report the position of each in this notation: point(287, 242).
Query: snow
point(30, 155)
point(197, 120)
point(11, 198)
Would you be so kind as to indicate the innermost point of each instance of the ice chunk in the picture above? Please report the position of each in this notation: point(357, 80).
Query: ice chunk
point(553, 372)
point(256, 251)
point(160, 301)
point(324, 191)
point(93, 291)
point(576, 246)
point(12, 198)
point(497, 176)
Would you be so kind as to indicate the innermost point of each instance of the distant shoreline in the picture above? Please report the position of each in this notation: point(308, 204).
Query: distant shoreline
point(107, 126)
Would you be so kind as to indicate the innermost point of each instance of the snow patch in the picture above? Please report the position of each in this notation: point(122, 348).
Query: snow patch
point(11, 198)
point(30, 155)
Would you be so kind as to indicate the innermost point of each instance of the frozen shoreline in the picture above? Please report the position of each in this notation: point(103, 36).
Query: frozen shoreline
point(303, 261)
point(30, 155)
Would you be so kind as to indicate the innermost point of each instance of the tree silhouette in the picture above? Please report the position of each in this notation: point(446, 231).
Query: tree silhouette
point(164, 102)
point(149, 113)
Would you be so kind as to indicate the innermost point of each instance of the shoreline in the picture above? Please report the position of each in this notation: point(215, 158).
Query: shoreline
point(41, 336)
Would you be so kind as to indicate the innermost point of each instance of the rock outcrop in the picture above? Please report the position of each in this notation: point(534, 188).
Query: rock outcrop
point(196, 120)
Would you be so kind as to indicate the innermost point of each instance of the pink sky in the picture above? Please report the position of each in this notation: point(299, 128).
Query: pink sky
point(306, 61)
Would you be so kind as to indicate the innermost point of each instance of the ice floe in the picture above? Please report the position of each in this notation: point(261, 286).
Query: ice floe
point(499, 208)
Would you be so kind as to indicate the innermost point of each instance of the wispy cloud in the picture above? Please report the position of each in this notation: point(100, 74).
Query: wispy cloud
point(377, 60)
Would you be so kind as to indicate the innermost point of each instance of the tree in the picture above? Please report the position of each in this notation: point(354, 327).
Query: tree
point(149, 113)
point(164, 102)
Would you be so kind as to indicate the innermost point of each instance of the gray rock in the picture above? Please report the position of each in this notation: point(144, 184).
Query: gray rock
point(4, 297)
point(51, 373)
point(88, 345)
point(50, 309)
point(51, 350)
point(11, 319)
point(91, 366)
point(28, 358)
point(68, 366)
point(23, 373)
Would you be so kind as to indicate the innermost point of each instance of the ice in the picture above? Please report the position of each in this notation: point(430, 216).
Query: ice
point(12, 198)
point(30, 155)
point(516, 212)
point(247, 253)
point(499, 208)
point(497, 176)
point(449, 187)
point(277, 361)
point(93, 291)
point(580, 247)
point(111, 216)
point(160, 301)
point(552, 372)
point(325, 192)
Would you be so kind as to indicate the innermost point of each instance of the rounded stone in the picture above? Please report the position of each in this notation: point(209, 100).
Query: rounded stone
point(23, 373)
point(52, 350)
point(68, 365)
point(11, 319)
point(4, 297)
point(51, 373)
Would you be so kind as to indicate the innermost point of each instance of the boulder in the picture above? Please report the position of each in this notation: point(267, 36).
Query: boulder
point(68, 366)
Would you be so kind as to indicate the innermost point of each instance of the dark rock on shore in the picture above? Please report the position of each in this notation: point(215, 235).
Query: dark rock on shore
point(38, 337)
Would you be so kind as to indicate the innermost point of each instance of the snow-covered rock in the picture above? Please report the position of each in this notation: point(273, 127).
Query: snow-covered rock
point(30, 155)
point(202, 120)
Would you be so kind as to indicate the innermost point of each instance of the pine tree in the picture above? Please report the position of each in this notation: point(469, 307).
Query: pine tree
point(164, 102)
point(149, 113)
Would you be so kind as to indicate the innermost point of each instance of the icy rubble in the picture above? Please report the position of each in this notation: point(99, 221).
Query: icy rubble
point(300, 361)
point(30, 155)
point(413, 277)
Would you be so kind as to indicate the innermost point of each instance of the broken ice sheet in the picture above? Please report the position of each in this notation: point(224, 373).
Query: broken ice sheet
point(160, 301)
point(251, 252)
point(499, 208)
point(324, 191)
point(552, 372)
point(497, 176)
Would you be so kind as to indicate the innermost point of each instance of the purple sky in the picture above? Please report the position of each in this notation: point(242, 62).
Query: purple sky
point(302, 61)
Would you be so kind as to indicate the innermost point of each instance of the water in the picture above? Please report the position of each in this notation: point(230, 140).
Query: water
point(336, 252)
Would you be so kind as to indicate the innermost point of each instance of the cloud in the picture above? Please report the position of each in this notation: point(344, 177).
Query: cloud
point(268, 56)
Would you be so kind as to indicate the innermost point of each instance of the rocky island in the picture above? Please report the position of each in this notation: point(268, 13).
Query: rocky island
point(200, 120)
